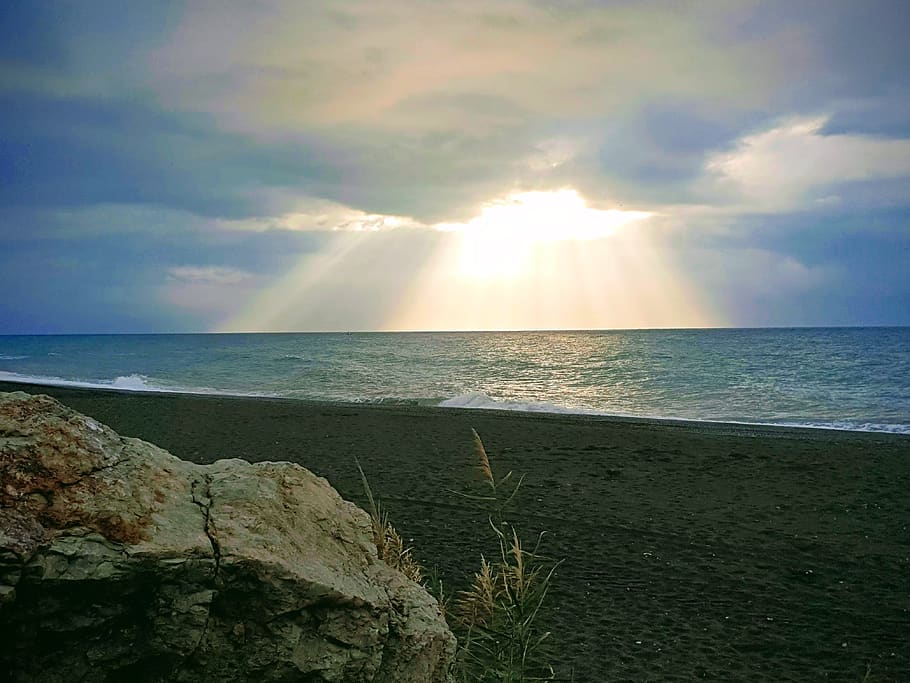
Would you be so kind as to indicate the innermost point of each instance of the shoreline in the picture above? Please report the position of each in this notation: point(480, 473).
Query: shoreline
point(765, 428)
point(690, 550)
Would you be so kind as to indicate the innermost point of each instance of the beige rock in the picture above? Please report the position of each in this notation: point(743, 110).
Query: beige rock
point(119, 561)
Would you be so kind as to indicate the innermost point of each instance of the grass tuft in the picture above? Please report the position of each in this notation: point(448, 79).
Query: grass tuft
point(389, 545)
point(495, 619)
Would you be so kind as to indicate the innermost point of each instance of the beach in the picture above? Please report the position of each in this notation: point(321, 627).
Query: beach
point(689, 550)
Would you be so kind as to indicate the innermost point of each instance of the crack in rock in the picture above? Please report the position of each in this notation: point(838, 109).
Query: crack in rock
point(203, 499)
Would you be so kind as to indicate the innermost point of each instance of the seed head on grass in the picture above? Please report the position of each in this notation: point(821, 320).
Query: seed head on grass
point(389, 545)
point(496, 617)
point(396, 555)
point(475, 606)
point(500, 495)
point(483, 459)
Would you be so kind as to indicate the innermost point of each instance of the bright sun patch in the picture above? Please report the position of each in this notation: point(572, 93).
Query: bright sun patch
point(499, 242)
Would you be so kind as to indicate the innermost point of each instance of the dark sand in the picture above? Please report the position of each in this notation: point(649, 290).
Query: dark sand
point(692, 551)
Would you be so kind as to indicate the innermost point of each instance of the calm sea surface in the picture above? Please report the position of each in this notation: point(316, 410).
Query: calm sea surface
point(848, 378)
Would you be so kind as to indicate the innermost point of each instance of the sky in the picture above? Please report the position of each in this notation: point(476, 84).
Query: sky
point(427, 165)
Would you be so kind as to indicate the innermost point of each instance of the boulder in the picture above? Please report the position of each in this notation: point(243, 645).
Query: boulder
point(119, 561)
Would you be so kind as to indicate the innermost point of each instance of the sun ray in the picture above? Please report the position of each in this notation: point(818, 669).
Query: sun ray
point(538, 260)
point(269, 310)
point(547, 261)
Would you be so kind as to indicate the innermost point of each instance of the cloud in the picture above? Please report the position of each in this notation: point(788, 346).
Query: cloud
point(311, 214)
point(208, 275)
point(94, 270)
point(423, 109)
point(209, 291)
point(782, 168)
point(437, 66)
point(163, 175)
point(431, 109)
point(84, 151)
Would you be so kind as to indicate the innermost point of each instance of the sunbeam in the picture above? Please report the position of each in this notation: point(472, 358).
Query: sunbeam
point(544, 260)
point(534, 260)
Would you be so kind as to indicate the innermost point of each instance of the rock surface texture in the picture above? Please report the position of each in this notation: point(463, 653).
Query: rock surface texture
point(119, 561)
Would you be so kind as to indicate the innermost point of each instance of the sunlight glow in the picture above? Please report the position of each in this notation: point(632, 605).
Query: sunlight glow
point(533, 260)
point(545, 260)
point(279, 307)
point(500, 241)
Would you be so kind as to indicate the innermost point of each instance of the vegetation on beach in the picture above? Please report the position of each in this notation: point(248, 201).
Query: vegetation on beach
point(496, 618)
point(388, 541)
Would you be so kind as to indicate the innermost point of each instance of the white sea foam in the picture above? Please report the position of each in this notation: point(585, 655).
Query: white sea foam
point(387, 401)
point(472, 400)
point(5, 357)
point(480, 401)
point(124, 383)
point(134, 383)
point(847, 425)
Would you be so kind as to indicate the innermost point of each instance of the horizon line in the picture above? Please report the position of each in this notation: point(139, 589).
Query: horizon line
point(463, 331)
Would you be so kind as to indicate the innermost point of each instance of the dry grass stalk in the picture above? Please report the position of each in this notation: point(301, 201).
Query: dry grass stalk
point(389, 545)
point(475, 606)
point(442, 598)
point(495, 618)
point(396, 555)
point(484, 460)
point(500, 640)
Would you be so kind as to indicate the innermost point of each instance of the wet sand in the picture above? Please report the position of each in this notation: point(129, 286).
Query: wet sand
point(691, 550)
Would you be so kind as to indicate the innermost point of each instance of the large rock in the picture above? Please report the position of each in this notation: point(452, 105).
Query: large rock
point(118, 561)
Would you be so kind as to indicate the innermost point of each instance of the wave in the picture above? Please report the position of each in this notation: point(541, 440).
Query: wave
point(5, 357)
point(293, 357)
point(388, 401)
point(396, 401)
point(850, 426)
point(473, 400)
point(135, 383)
point(480, 401)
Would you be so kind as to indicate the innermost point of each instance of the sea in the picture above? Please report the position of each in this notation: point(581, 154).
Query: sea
point(836, 378)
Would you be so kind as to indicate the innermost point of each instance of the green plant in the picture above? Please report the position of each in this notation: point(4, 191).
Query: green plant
point(432, 581)
point(497, 499)
point(389, 544)
point(496, 618)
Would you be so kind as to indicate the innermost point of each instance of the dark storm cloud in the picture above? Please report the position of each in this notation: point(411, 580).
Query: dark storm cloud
point(65, 152)
point(114, 280)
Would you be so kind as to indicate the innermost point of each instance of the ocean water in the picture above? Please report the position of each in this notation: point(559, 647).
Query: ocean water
point(843, 378)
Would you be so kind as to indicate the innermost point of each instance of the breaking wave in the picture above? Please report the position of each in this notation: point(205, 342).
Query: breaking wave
point(480, 401)
point(475, 400)
point(136, 383)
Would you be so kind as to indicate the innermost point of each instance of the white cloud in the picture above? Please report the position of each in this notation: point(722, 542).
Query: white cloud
point(321, 215)
point(207, 290)
point(208, 275)
point(432, 66)
point(553, 153)
point(780, 168)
